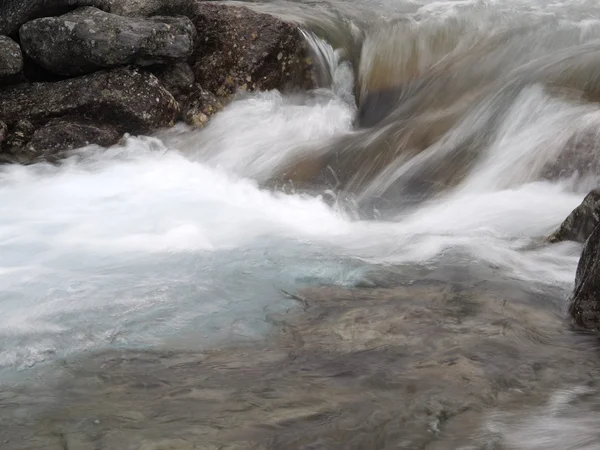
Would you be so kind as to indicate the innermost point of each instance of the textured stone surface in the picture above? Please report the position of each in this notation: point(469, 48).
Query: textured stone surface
point(11, 61)
point(89, 39)
point(177, 78)
point(585, 303)
point(14, 13)
point(58, 136)
point(199, 106)
point(581, 222)
point(132, 101)
point(241, 49)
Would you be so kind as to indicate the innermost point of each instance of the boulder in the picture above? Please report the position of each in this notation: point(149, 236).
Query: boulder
point(177, 78)
point(199, 106)
point(3, 132)
point(131, 100)
point(578, 226)
point(89, 39)
point(15, 13)
point(58, 136)
point(247, 50)
point(11, 61)
point(585, 303)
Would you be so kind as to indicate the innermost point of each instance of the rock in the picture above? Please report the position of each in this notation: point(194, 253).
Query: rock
point(15, 13)
point(3, 132)
point(200, 106)
point(131, 100)
point(61, 135)
point(11, 61)
point(581, 222)
point(177, 78)
point(585, 303)
point(243, 49)
point(89, 39)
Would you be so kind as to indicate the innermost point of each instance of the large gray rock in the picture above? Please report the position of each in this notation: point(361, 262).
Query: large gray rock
point(14, 13)
point(52, 140)
point(585, 303)
point(243, 49)
point(129, 100)
point(89, 39)
point(581, 222)
point(11, 61)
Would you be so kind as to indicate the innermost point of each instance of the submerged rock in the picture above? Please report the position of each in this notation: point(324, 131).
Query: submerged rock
point(11, 61)
point(62, 135)
point(247, 50)
point(578, 226)
point(89, 39)
point(585, 303)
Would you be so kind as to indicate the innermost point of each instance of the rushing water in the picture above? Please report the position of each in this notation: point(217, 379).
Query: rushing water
point(361, 266)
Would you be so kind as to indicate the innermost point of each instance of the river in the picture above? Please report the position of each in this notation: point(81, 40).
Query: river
point(178, 291)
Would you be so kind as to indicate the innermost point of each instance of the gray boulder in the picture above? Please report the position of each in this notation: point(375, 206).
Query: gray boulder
point(243, 49)
point(177, 78)
point(52, 140)
point(125, 98)
point(585, 303)
point(11, 61)
point(89, 39)
point(14, 13)
point(578, 226)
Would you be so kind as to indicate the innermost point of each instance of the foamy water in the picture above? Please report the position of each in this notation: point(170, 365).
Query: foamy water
point(177, 240)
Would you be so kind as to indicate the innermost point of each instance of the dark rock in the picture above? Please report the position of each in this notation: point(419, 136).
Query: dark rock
point(3, 132)
point(200, 106)
point(60, 135)
point(18, 136)
point(242, 49)
point(585, 303)
point(177, 78)
point(132, 101)
point(11, 61)
point(14, 13)
point(578, 226)
point(89, 39)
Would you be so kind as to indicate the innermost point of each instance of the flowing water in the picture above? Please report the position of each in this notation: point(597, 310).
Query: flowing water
point(361, 266)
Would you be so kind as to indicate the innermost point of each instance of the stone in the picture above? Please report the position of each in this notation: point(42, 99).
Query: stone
point(59, 136)
point(15, 13)
point(200, 106)
point(11, 61)
point(3, 132)
point(584, 305)
point(240, 49)
point(578, 226)
point(89, 39)
point(131, 100)
point(177, 78)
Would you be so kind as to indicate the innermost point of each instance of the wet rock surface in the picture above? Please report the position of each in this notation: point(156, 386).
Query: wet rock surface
point(585, 302)
point(332, 376)
point(241, 49)
point(89, 39)
point(199, 106)
point(11, 61)
point(56, 137)
point(580, 224)
point(131, 100)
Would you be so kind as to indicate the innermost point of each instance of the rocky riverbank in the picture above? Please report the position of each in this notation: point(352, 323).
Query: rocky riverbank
point(101, 69)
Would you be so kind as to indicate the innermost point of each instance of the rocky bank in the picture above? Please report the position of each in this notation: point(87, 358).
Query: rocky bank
point(75, 73)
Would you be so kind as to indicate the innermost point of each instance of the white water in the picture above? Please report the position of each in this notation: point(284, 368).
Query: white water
point(171, 242)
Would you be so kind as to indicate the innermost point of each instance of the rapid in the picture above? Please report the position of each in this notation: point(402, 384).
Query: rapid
point(372, 251)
